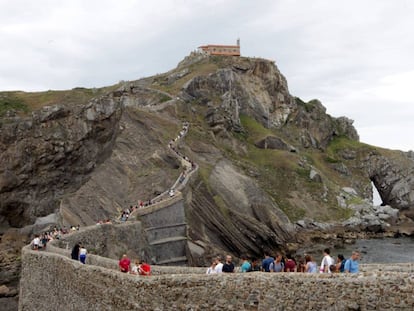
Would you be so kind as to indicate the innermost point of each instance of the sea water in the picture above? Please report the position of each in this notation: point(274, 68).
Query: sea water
point(384, 250)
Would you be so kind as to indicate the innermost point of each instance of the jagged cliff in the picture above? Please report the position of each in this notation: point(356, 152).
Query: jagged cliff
point(270, 164)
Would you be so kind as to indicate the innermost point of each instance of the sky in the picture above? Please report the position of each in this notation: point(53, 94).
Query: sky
point(356, 57)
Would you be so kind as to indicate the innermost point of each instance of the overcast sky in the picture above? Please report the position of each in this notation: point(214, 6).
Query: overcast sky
point(357, 57)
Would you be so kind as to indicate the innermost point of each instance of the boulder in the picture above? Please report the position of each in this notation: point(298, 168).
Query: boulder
point(315, 176)
point(272, 142)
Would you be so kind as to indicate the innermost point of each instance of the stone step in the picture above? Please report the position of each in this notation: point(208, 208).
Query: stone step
point(166, 226)
point(168, 240)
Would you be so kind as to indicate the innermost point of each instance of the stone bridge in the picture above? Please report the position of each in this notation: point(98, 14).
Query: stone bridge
point(52, 281)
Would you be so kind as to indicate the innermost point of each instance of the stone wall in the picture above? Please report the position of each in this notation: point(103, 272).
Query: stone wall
point(52, 281)
point(166, 230)
point(159, 237)
point(109, 240)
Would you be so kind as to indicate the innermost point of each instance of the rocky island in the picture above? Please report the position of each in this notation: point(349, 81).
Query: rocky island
point(274, 172)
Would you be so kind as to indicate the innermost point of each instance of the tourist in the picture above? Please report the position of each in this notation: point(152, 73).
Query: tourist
point(352, 264)
point(277, 265)
point(124, 263)
point(340, 263)
point(246, 265)
point(228, 266)
point(211, 269)
point(327, 261)
point(82, 254)
point(134, 269)
point(266, 262)
point(75, 252)
point(290, 264)
point(144, 269)
point(310, 266)
point(36, 242)
point(44, 240)
point(301, 264)
point(256, 265)
point(219, 265)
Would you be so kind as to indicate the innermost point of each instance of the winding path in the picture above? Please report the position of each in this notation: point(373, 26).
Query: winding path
point(173, 192)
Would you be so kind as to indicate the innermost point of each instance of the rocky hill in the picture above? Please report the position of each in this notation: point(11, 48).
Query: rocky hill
point(271, 165)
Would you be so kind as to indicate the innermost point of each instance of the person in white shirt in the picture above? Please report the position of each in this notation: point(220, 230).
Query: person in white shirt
point(211, 269)
point(82, 254)
point(219, 266)
point(327, 261)
point(36, 242)
point(134, 269)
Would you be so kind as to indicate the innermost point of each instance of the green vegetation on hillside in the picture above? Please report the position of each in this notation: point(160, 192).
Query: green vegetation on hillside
point(289, 183)
point(340, 143)
point(25, 102)
point(10, 102)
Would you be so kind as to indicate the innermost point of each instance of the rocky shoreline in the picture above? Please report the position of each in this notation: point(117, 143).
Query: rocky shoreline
point(311, 237)
point(369, 222)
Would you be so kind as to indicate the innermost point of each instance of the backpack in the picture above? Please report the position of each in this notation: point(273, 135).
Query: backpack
point(342, 267)
point(272, 266)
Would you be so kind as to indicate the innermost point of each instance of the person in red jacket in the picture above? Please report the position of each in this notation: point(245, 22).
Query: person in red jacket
point(124, 263)
point(290, 264)
point(144, 268)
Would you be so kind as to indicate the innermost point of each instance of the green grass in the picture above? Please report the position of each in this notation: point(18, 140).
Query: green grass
point(340, 213)
point(303, 172)
point(354, 200)
point(329, 159)
point(310, 105)
point(280, 175)
point(255, 130)
point(342, 142)
point(26, 102)
point(10, 102)
point(164, 98)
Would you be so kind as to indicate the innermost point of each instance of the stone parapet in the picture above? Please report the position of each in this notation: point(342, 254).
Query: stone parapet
point(157, 206)
point(52, 281)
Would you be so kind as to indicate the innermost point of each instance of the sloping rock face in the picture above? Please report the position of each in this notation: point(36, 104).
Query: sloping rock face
point(52, 153)
point(234, 215)
point(44, 157)
point(139, 168)
point(257, 88)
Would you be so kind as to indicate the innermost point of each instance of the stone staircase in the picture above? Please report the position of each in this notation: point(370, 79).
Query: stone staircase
point(166, 231)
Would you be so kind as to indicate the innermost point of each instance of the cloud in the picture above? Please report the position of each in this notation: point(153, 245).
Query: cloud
point(355, 56)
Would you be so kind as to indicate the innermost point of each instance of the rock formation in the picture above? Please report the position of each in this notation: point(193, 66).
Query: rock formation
point(270, 164)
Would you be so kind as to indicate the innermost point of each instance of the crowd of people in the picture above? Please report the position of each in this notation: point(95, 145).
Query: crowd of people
point(139, 267)
point(40, 240)
point(288, 263)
